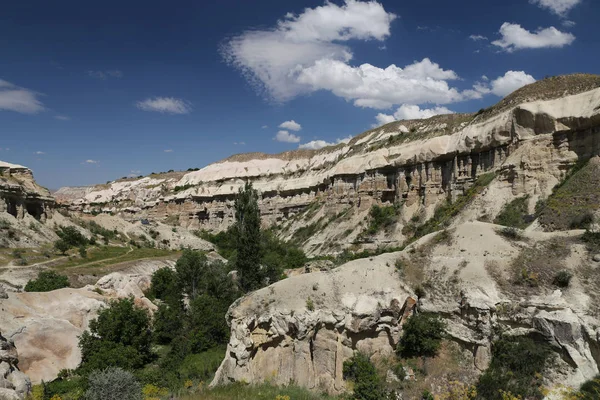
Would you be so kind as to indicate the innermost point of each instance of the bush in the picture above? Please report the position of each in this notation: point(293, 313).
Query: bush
point(562, 279)
point(510, 233)
point(61, 246)
point(168, 323)
point(515, 214)
point(367, 384)
point(382, 218)
point(82, 252)
point(208, 327)
point(71, 236)
point(516, 367)
point(119, 337)
point(590, 390)
point(113, 384)
point(47, 281)
point(422, 336)
point(164, 284)
point(202, 366)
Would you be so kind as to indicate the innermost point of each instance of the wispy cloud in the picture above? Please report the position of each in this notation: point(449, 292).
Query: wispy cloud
point(478, 37)
point(39, 153)
point(319, 144)
point(265, 126)
point(113, 73)
point(168, 150)
point(134, 173)
point(18, 99)
point(558, 7)
point(166, 105)
point(239, 143)
point(90, 162)
point(62, 117)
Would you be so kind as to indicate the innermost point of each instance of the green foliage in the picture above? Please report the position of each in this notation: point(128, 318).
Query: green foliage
point(67, 387)
point(382, 218)
point(113, 384)
point(181, 188)
point(119, 336)
point(590, 390)
point(82, 252)
point(47, 281)
point(310, 304)
point(427, 395)
point(445, 212)
point(367, 384)
point(563, 278)
point(202, 366)
point(592, 238)
point(96, 229)
point(164, 285)
point(168, 322)
point(515, 214)
point(71, 236)
point(208, 327)
point(61, 246)
point(263, 391)
point(516, 367)
point(510, 233)
point(248, 239)
point(422, 336)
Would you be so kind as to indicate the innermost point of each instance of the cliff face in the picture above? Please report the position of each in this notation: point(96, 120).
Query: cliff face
point(530, 139)
point(20, 194)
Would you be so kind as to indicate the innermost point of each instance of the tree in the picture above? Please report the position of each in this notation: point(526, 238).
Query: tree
point(168, 322)
point(367, 384)
point(165, 285)
point(422, 336)
point(71, 236)
point(208, 327)
point(120, 336)
point(191, 270)
point(61, 246)
point(47, 281)
point(248, 238)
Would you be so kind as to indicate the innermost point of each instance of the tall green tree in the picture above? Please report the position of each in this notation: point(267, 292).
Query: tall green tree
point(248, 239)
point(191, 270)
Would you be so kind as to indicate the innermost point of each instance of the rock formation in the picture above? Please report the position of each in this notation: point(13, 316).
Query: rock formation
point(20, 194)
point(14, 384)
point(301, 329)
point(530, 138)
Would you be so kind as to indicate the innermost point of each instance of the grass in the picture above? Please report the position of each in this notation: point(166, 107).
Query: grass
point(515, 214)
point(572, 201)
point(110, 255)
point(240, 391)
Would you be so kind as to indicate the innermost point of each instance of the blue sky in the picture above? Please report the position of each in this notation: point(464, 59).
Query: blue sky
point(90, 92)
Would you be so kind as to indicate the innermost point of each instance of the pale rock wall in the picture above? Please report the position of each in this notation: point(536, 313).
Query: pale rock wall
point(20, 194)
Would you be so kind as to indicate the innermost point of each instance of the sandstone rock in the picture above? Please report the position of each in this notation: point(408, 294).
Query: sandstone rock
point(13, 383)
point(483, 356)
point(3, 294)
point(596, 257)
point(21, 382)
point(9, 394)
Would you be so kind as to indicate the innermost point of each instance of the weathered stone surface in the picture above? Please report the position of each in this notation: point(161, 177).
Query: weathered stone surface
point(596, 257)
point(13, 383)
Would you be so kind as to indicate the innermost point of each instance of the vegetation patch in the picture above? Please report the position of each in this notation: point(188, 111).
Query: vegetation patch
point(422, 336)
point(574, 201)
point(515, 370)
point(366, 382)
point(47, 281)
point(445, 212)
point(382, 218)
point(515, 214)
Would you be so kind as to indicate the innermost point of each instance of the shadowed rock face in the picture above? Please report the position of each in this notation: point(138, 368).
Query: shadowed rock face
point(20, 194)
point(418, 164)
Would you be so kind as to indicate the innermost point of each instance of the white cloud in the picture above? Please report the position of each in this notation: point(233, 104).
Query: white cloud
point(168, 151)
point(410, 111)
point(514, 37)
point(291, 125)
point(265, 127)
point(134, 173)
point(18, 99)
point(319, 144)
point(39, 153)
point(286, 137)
point(510, 82)
point(239, 143)
point(369, 86)
point(568, 23)
point(272, 59)
point(558, 7)
point(478, 37)
point(114, 73)
point(62, 117)
point(168, 105)
point(90, 162)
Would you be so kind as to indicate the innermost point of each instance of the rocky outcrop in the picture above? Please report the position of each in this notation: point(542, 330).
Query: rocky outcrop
point(14, 384)
point(417, 163)
point(20, 194)
point(303, 328)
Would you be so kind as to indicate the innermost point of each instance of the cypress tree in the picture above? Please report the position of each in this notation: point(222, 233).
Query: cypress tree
point(248, 238)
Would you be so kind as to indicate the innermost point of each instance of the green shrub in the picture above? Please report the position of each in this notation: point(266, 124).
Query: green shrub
point(113, 384)
point(119, 337)
point(310, 304)
point(590, 390)
point(515, 214)
point(18, 253)
point(422, 336)
point(562, 279)
point(382, 218)
point(510, 233)
point(164, 284)
point(516, 367)
point(82, 252)
point(367, 384)
point(168, 322)
point(71, 236)
point(61, 246)
point(47, 281)
point(202, 366)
